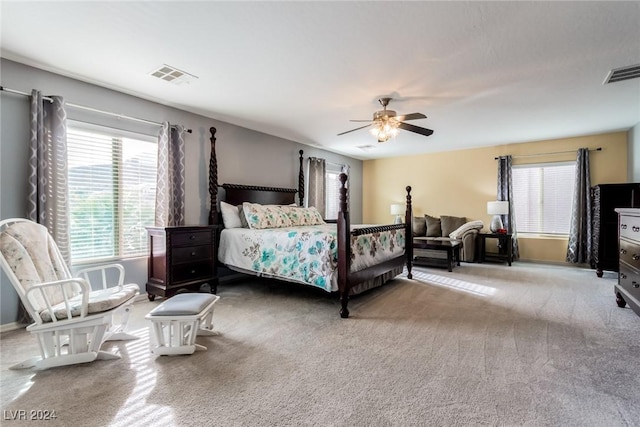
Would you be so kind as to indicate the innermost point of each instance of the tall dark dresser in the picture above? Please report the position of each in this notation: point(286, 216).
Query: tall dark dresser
point(605, 198)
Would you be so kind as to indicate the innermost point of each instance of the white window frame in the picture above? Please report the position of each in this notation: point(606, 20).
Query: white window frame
point(118, 249)
point(541, 201)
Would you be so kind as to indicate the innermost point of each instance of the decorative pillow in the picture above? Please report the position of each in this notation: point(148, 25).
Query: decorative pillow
point(304, 216)
point(433, 226)
point(450, 223)
point(265, 216)
point(231, 215)
point(419, 226)
point(471, 225)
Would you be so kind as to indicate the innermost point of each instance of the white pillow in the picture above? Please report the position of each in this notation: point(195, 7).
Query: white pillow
point(458, 232)
point(230, 215)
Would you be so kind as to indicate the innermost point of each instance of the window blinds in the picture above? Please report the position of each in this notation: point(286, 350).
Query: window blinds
point(543, 196)
point(112, 180)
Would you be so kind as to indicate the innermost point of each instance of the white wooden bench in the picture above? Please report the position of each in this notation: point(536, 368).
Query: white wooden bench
point(177, 321)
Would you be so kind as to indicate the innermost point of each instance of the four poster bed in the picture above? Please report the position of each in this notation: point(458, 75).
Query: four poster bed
point(267, 234)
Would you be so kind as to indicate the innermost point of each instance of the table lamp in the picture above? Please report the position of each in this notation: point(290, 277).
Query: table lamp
point(497, 208)
point(397, 210)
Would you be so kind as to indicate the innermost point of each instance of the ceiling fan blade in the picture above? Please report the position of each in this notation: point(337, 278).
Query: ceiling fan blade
point(416, 129)
point(361, 120)
point(412, 116)
point(361, 127)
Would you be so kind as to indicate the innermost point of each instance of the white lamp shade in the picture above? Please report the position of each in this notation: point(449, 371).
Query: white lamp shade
point(498, 208)
point(397, 209)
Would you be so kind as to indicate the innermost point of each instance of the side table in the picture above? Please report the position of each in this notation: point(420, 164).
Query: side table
point(505, 246)
point(181, 257)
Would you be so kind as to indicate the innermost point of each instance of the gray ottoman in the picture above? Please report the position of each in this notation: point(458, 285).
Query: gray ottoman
point(177, 321)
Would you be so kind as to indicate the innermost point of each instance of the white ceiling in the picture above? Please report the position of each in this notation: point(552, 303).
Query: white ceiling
point(484, 73)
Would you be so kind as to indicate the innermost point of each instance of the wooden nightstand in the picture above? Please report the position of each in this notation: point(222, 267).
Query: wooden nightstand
point(505, 245)
point(181, 257)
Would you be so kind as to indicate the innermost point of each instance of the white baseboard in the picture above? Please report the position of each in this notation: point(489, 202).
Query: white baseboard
point(141, 297)
point(11, 326)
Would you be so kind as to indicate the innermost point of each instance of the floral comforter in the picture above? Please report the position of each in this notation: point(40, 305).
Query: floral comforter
point(307, 254)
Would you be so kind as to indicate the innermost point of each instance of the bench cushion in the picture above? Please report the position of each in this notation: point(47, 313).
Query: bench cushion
point(183, 305)
point(99, 301)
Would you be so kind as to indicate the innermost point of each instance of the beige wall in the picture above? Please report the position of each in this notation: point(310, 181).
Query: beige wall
point(460, 183)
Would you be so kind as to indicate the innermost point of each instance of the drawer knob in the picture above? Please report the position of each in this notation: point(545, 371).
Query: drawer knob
point(623, 251)
point(623, 226)
point(623, 276)
point(193, 272)
point(635, 228)
point(635, 284)
point(192, 237)
point(193, 253)
point(635, 257)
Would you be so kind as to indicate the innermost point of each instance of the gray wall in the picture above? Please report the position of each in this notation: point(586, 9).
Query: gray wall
point(244, 156)
point(633, 154)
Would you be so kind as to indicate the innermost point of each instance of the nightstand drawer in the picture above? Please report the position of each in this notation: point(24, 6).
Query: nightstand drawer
point(630, 253)
point(190, 254)
point(630, 227)
point(186, 273)
point(192, 238)
point(630, 281)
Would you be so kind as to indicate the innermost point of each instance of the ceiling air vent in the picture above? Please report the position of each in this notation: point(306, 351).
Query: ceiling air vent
point(366, 147)
point(623, 73)
point(172, 75)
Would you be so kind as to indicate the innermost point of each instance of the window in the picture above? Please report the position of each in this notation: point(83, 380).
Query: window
point(332, 187)
point(542, 197)
point(112, 184)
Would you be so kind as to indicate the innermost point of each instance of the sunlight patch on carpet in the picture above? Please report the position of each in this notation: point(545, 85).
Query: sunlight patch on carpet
point(136, 410)
point(455, 284)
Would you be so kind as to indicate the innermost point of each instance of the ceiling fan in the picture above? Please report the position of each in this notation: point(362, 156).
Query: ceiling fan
point(386, 123)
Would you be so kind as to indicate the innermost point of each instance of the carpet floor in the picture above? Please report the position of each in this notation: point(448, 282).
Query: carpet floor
point(486, 344)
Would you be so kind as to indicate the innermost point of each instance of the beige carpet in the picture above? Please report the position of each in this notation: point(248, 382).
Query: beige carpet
point(487, 344)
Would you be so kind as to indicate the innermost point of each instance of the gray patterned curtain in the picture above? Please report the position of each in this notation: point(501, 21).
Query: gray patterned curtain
point(48, 194)
point(505, 192)
point(317, 191)
point(170, 183)
point(580, 241)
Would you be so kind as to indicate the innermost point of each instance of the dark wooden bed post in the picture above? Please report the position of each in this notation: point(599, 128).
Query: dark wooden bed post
point(408, 244)
point(213, 180)
point(301, 180)
point(344, 248)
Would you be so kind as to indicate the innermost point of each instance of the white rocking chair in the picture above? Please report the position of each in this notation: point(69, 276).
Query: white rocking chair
point(71, 320)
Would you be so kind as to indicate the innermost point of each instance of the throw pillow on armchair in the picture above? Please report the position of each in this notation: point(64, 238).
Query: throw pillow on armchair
point(451, 223)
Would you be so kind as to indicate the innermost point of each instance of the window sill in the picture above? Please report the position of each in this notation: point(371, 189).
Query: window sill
point(543, 236)
point(110, 260)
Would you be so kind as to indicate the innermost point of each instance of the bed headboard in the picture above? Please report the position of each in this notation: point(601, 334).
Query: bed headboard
point(235, 194)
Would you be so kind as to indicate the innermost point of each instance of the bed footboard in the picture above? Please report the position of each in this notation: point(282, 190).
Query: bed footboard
point(347, 278)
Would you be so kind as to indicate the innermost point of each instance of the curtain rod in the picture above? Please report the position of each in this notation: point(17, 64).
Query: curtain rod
point(548, 154)
point(95, 110)
point(328, 162)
